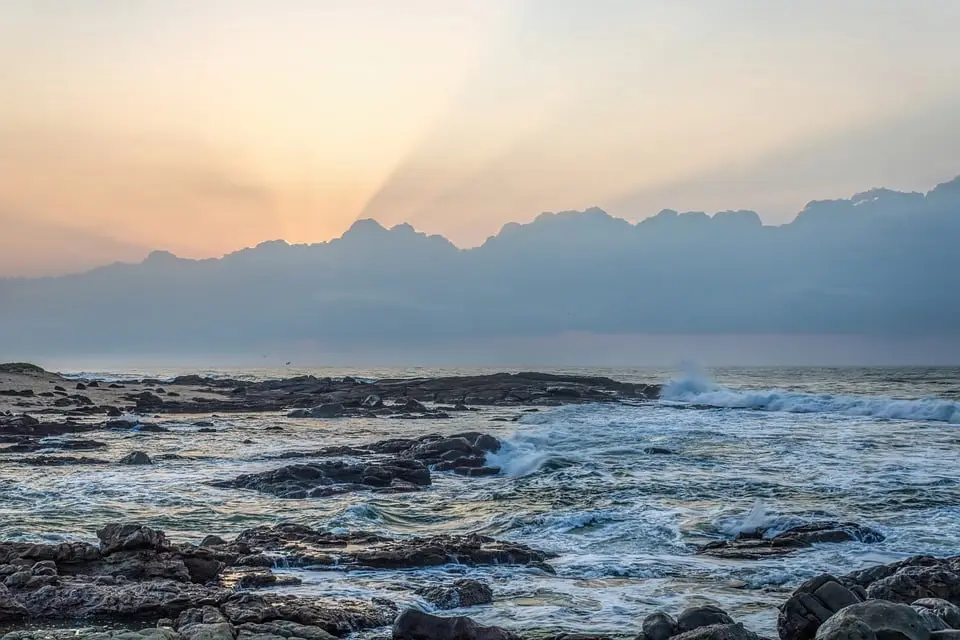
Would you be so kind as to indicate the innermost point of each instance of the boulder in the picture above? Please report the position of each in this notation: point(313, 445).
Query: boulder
point(135, 458)
point(660, 626)
point(812, 604)
point(704, 616)
point(946, 611)
point(130, 537)
point(281, 629)
point(874, 620)
point(718, 632)
point(462, 593)
point(417, 625)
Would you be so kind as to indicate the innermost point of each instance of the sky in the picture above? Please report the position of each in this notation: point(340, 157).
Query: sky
point(205, 127)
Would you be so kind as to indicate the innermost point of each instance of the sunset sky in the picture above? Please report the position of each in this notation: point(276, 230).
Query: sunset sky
point(205, 126)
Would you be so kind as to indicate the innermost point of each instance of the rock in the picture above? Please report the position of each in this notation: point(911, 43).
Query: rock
point(218, 631)
point(946, 611)
point(660, 626)
point(135, 457)
point(147, 401)
point(212, 541)
point(81, 386)
point(10, 609)
point(718, 632)
point(130, 537)
point(417, 625)
point(462, 593)
point(931, 620)
point(755, 546)
point(659, 451)
point(874, 619)
point(299, 545)
point(331, 410)
point(281, 629)
point(413, 406)
point(812, 604)
point(696, 617)
point(328, 478)
point(372, 401)
point(948, 634)
point(911, 583)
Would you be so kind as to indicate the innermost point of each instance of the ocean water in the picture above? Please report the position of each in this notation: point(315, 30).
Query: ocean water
point(772, 447)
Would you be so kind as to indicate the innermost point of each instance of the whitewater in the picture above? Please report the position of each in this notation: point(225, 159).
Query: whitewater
point(624, 493)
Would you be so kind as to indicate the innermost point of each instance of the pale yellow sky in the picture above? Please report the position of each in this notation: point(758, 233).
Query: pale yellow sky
point(204, 127)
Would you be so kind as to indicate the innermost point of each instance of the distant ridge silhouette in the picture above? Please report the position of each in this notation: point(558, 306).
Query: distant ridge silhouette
point(881, 261)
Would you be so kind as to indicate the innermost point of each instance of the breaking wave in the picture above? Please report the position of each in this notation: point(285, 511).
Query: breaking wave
point(700, 391)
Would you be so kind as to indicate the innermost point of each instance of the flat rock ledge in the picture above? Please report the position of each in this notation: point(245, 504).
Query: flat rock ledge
point(756, 546)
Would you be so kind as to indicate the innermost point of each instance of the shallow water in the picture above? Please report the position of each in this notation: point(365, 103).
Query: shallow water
point(778, 447)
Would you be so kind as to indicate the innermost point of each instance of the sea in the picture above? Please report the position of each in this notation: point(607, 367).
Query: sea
point(752, 447)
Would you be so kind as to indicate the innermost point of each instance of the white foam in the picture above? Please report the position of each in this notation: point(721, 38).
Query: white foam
point(700, 391)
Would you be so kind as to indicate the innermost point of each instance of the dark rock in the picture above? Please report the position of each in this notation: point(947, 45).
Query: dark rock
point(946, 611)
point(417, 625)
point(81, 386)
point(660, 626)
point(113, 412)
point(130, 537)
point(328, 478)
point(278, 629)
point(59, 388)
point(705, 616)
point(147, 401)
point(10, 609)
point(874, 619)
point(136, 457)
point(755, 546)
point(300, 545)
point(812, 604)
point(912, 582)
point(93, 384)
point(659, 451)
point(462, 593)
point(718, 632)
point(212, 541)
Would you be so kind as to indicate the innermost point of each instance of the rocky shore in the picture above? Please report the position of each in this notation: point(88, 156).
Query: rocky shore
point(219, 590)
point(25, 388)
point(138, 584)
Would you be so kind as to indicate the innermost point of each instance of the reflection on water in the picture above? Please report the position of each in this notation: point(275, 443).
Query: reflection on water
point(577, 480)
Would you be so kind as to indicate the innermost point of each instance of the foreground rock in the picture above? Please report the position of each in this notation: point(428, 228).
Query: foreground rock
point(321, 479)
point(755, 546)
point(462, 453)
point(875, 619)
point(417, 625)
point(931, 585)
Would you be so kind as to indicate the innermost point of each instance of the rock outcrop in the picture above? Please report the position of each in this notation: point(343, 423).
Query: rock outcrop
point(755, 546)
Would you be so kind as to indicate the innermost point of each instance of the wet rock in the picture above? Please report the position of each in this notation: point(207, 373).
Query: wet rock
point(659, 626)
point(65, 445)
point(300, 545)
point(659, 451)
point(718, 632)
point(329, 478)
point(755, 546)
point(136, 457)
point(705, 616)
point(874, 619)
point(130, 537)
point(812, 604)
point(910, 583)
point(338, 617)
point(462, 593)
point(212, 541)
point(147, 401)
point(948, 634)
point(372, 401)
point(56, 461)
point(280, 629)
point(417, 625)
point(10, 609)
point(946, 611)
point(330, 410)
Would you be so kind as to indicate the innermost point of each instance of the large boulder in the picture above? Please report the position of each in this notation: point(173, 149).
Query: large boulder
point(946, 611)
point(912, 583)
point(875, 620)
point(417, 625)
point(718, 632)
point(812, 604)
point(120, 536)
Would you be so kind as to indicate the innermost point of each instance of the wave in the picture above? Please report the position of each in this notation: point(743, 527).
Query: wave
point(701, 391)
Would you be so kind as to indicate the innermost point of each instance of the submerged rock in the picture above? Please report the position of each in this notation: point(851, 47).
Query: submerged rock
point(462, 593)
point(756, 547)
point(136, 457)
